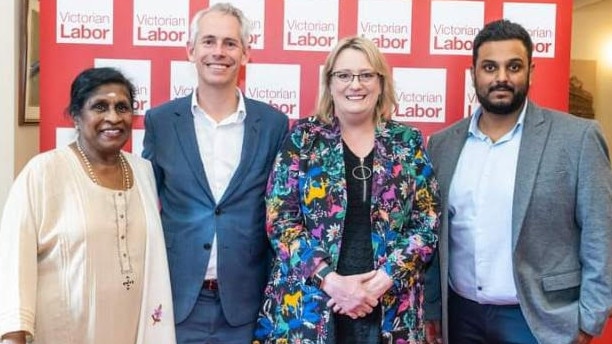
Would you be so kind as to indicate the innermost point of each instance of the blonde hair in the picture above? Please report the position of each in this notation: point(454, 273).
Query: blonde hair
point(386, 103)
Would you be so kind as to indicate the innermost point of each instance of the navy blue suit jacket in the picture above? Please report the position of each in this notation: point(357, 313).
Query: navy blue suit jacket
point(191, 217)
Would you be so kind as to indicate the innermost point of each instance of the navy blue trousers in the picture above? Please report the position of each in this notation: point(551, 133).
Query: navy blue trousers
point(471, 323)
point(207, 325)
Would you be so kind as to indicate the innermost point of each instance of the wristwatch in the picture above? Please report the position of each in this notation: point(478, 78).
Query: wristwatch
point(320, 275)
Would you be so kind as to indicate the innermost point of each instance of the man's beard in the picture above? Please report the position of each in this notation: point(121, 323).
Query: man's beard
point(518, 99)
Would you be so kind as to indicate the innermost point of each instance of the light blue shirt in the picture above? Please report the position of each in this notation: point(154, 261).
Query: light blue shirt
point(480, 216)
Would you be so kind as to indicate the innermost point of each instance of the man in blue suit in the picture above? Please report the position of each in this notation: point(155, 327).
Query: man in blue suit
point(212, 152)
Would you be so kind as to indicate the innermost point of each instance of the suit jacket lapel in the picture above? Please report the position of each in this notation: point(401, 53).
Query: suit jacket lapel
point(445, 155)
point(448, 155)
point(535, 134)
point(185, 132)
point(250, 145)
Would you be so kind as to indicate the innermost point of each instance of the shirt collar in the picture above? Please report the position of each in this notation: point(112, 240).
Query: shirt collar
point(474, 131)
point(237, 116)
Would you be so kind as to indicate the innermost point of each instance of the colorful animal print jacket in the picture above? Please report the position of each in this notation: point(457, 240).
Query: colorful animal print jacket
point(306, 205)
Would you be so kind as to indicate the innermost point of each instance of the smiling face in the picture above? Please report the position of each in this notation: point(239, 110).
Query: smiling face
point(105, 121)
point(502, 75)
point(355, 100)
point(217, 50)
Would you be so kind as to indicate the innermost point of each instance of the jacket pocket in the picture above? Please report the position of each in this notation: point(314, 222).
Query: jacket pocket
point(562, 281)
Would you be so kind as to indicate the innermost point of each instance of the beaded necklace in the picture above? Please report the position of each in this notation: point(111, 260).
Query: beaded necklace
point(125, 172)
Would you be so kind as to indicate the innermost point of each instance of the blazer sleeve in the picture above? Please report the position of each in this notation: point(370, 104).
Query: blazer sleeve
point(410, 252)
point(594, 217)
point(148, 151)
point(432, 289)
point(289, 236)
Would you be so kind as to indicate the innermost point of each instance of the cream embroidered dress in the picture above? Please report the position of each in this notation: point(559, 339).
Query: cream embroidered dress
point(81, 250)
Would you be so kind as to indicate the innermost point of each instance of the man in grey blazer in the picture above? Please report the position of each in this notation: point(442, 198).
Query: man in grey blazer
point(525, 252)
point(212, 152)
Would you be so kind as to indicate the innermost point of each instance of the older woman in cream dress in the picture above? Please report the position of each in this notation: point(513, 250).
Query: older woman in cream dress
point(82, 256)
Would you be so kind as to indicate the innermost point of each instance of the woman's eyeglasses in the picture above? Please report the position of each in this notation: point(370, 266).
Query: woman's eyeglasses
point(346, 77)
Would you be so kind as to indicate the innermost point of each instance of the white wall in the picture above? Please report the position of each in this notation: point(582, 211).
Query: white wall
point(591, 31)
point(8, 67)
point(17, 143)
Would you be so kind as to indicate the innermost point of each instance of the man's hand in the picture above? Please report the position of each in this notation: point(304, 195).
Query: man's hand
point(433, 332)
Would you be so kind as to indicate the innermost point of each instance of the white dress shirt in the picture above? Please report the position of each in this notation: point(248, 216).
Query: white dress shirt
point(220, 146)
point(480, 216)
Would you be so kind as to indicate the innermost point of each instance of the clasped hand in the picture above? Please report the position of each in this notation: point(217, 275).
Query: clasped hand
point(356, 295)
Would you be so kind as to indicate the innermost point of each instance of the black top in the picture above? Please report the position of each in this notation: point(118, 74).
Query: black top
point(356, 253)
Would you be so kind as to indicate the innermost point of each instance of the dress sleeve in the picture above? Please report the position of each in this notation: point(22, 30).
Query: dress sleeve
point(156, 323)
point(18, 253)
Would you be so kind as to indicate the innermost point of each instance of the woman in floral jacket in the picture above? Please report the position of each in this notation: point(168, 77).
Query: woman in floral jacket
point(352, 214)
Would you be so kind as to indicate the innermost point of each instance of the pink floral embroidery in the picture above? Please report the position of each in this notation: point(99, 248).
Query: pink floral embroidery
point(157, 314)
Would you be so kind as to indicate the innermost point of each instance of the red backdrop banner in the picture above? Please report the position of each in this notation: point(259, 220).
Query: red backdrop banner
point(427, 43)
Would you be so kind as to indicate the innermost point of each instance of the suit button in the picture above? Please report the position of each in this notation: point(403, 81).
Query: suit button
point(217, 211)
point(207, 246)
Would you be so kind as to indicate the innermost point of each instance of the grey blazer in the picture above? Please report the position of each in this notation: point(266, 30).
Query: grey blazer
point(190, 216)
point(561, 225)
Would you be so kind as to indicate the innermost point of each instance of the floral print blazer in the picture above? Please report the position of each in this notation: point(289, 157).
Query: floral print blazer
point(306, 206)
